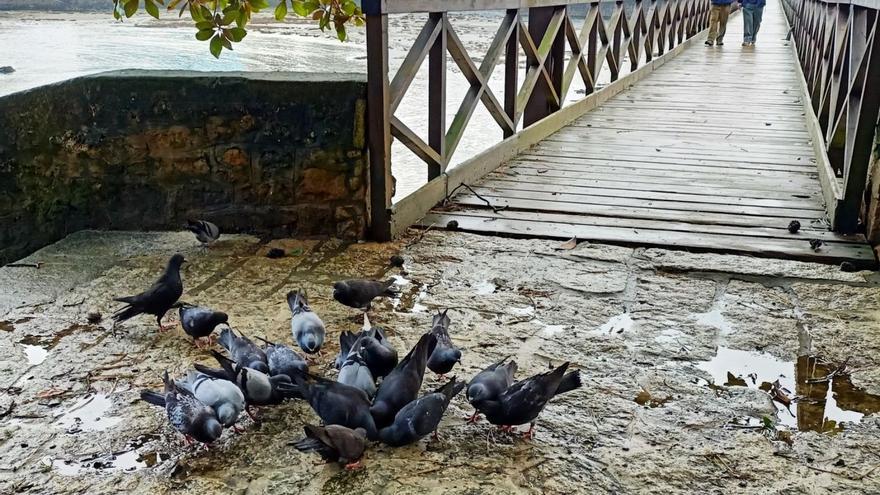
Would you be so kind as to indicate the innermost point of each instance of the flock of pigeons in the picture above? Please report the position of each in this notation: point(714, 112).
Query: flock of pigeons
point(375, 396)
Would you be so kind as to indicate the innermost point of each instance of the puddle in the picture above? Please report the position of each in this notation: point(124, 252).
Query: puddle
point(714, 318)
point(49, 341)
point(88, 414)
point(34, 353)
point(617, 324)
point(484, 288)
point(815, 405)
point(644, 398)
point(6, 326)
point(126, 461)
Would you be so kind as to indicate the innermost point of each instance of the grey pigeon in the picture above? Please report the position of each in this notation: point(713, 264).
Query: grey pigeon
point(523, 401)
point(199, 322)
point(243, 350)
point(186, 413)
point(205, 231)
point(490, 383)
point(334, 443)
point(283, 360)
point(420, 417)
point(374, 347)
point(336, 403)
point(306, 327)
point(378, 352)
point(346, 342)
point(359, 294)
point(259, 389)
point(445, 354)
point(356, 373)
point(156, 300)
point(401, 386)
point(222, 395)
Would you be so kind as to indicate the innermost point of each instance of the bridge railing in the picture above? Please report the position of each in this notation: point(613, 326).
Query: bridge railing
point(838, 46)
point(637, 36)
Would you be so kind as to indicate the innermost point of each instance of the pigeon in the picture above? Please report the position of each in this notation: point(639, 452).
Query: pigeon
point(199, 322)
point(259, 389)
point(306, 327)
point(401, 386)
point(334, 443)
point(490, 383)
point(156, 300)
point(335, 403)
point(445, 354)
point(374, 347)
point(222, 395)
point(420, 417)
point(346, 342)
point(243, 350)
point(359, 294)
point(205, 231)
point(523, 401)
point(186, 413)
point(355, 372)
point(378, 353)
point(283, 360)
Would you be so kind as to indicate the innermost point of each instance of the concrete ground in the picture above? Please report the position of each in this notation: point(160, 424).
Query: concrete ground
point(679, 353)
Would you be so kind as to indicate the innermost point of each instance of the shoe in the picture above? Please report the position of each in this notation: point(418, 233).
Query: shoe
point(720, 43)
point(745, 43)
point(709, 43)
point(751, 43)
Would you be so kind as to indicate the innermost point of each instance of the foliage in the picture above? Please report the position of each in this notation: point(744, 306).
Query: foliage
point(224, 22)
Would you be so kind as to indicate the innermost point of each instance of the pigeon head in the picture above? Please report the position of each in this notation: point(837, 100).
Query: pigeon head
point(477, 392)
point(227, 414)
point(220, 317)
point(339, 288)
point(176, 261)
point(207, 430)
point(309, 342)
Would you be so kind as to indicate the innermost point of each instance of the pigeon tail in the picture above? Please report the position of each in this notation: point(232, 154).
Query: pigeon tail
point(153, 398)
point(569, 382)
point(226, 338)
point(125, 313)
point(298, 302)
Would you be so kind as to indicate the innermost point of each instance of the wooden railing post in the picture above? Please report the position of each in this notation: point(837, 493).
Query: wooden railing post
point(437, 96)
point(378, 122)
point(540, 103)
point(511, 73)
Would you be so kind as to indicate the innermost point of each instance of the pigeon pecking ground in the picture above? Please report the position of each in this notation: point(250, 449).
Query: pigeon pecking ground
point(643, 326)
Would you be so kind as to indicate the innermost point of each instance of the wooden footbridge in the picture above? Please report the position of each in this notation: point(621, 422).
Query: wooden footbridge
point(688, 147)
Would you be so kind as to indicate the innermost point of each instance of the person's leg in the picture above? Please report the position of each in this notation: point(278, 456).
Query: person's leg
point(757, 15)
point(747, 25)
point(713, 24)
point(724, 12)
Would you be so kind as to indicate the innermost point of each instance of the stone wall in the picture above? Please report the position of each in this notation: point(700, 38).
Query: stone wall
point(872, 213)
point(281, 154)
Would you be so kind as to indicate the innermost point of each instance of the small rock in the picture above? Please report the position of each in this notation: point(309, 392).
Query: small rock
point(452, 225)
point(396, 261)
point(848, 266)
point(816, 244)
point(94, 317)
point(6, 69)
point(275, 253)
point(794, 226)
point(840, 463)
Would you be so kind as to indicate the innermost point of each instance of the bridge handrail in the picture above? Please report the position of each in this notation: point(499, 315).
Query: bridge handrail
point(838, 47)
point(651, 29)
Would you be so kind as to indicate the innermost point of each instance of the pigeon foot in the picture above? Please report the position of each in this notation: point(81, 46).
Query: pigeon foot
point(473, 419)
point(354, 466)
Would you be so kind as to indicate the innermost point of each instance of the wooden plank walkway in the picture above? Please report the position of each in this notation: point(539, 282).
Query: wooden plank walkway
point(710, 153)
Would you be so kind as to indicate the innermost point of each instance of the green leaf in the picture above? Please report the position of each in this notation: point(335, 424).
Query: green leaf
point(281, 10)
point(358, 21)
point(226, 43)
point(205, 13)
point(195, 13)
point(300, 9)
point(340, 32)
point(131, 6)
point(204, 25)
point(216, 46)
point(151, 8)
point(257, 5)
point(237, 34)
point(204, 34)
point(349, 7)
point(325, 21)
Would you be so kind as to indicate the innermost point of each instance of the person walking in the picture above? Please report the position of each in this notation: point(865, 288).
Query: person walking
point(752, 12)
point(718, 14)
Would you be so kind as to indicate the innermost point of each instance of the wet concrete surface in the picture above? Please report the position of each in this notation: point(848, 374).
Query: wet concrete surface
point(679, 354)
